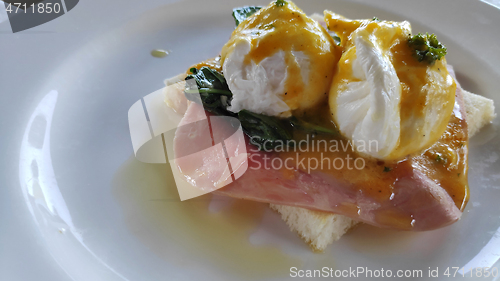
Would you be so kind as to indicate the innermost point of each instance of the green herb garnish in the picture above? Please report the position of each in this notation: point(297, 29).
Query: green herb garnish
point(375, 19)
point(336, 39)
point(441, 159)
point(387, 169)
point(281, 3)
point(267, 26)
point(241, 14)
point(427, 48)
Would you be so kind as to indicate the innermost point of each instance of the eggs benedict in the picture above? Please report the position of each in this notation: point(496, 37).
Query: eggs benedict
point(282, 75)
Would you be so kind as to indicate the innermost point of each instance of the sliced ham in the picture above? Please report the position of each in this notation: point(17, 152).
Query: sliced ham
point(417, 199)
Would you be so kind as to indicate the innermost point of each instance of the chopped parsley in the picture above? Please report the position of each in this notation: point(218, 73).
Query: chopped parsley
point(387, 169)
point(281, 3)
point(427, 48)
point(441, 159)
point(376, 19)
point(267, 26)
point(242, 13)
point(336, 39)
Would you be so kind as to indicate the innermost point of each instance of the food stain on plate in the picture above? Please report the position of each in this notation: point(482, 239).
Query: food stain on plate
point(192, 229)
point(379, 243)
point(159, 53)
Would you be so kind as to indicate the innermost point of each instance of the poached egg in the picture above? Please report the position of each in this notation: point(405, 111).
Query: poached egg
point(382, 95)
point(278, 61)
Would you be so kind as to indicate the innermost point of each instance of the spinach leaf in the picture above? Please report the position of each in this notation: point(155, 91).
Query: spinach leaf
point(310, 128)
point(212, 88)
point(268, 131)
point(240, 14)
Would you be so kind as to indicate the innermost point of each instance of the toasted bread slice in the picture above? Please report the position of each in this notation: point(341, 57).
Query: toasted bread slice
point(480, 111)
point(319, 229)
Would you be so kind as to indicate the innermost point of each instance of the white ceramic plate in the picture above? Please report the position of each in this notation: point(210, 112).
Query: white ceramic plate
point(76, 205)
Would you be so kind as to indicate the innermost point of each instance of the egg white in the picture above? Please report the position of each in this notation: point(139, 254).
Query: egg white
point(368, 110)
point(260, 88)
